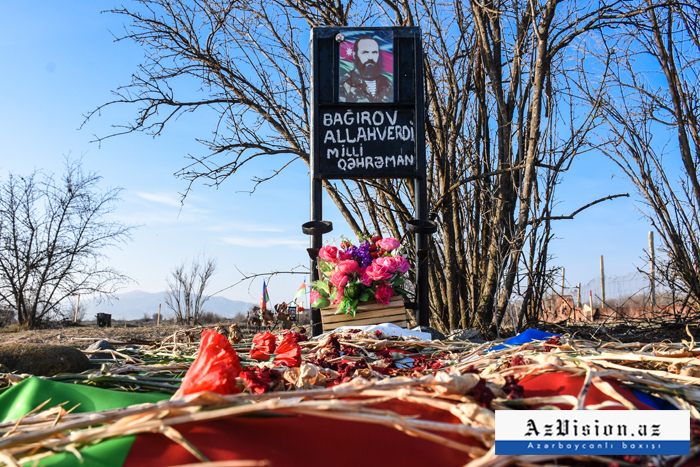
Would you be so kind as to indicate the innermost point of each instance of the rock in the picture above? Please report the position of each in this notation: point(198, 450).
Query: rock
point(100, 345)
point(470, 335)
point(42, 359)
point(434, 333)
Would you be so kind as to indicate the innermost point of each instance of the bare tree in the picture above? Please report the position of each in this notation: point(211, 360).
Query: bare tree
point(502, 124)
point(186, 287)
point(53, 234)
point(651, 110)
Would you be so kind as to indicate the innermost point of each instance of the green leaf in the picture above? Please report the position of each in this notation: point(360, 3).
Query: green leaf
point(399, 281)
point(334, 295)
point(321, 302)
point(322, 288)
point(364, 296)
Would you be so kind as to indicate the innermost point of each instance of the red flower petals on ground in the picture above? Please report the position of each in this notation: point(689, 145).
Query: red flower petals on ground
point(215, 369)
point(518, 360)
point(260, 380)
point(483, 394)
point(513, 389)
point(552, 340)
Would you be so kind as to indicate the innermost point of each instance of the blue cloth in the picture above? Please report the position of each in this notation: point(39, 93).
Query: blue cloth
point(525, 337)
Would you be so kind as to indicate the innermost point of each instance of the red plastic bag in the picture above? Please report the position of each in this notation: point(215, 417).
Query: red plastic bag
point(288, 352)
point(215, 369)
point(264, 345)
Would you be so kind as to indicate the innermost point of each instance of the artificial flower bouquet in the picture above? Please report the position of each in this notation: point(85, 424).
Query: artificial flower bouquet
point(374, 269)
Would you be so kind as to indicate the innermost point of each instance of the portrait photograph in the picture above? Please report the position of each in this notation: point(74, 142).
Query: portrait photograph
point(366, 67)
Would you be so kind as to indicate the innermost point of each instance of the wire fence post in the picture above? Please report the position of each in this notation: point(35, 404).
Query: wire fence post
point(602, 282)
point(652, 272)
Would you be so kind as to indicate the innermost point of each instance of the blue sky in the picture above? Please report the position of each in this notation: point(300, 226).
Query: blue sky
point(59, 61)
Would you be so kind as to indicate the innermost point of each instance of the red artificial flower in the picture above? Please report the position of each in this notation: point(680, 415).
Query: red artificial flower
point(260, 380)
point(348, 350)
point(383, 294)
point(263, 346)
point(329, 253)
point(347, 266)
point(215, 369)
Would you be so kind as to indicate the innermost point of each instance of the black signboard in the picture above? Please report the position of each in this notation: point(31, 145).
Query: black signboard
point(367, 102)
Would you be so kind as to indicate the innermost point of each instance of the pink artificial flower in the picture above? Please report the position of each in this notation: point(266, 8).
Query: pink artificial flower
point(314, 296)
point(365, 279)
point(388, 244)
point(403, 265)
point(339, 296)
point(389, 262)
point(347, 266)
point(329, 253)
point(340, 280)
point(383, 293)
point(377, 272)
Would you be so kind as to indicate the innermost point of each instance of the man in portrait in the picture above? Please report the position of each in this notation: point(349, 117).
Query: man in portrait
point(365, 82)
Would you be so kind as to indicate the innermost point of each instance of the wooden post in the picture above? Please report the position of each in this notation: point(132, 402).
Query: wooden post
point(578, 295)
point(652, 270)
point(590, 303)
point(77, 305)
point(563, 271)
point(602, 282)
point(158, 321)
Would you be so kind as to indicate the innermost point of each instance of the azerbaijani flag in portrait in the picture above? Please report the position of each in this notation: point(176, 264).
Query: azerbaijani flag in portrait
point(384, 38)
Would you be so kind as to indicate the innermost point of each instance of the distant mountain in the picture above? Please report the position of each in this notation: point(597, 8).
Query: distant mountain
point(133, 305)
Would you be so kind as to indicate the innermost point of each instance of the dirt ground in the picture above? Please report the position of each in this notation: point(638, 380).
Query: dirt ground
point(83, 335)
point(140, 332)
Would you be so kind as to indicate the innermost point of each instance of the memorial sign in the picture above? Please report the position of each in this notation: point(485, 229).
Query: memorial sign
point(367, 122)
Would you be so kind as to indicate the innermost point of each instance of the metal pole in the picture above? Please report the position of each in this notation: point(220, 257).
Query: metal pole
point(652, 270)
point(602, 282)
point(421, 201)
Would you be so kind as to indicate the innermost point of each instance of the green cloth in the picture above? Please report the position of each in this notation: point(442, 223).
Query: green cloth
point(32, 392)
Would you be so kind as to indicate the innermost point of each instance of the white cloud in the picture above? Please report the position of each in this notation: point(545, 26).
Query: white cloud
point(160, 198)
point(256, 242)
point(241, 227)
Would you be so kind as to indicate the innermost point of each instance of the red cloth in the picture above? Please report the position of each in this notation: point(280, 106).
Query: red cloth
point(559, 384)
point(303, 441)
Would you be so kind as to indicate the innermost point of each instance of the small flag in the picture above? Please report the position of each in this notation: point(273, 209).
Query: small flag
point(301, 291)
point(264, 298)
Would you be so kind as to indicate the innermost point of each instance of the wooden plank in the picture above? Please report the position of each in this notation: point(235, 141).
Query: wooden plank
point(331, 326)
point(330, 315)
point(363, 316)
point(367, 314)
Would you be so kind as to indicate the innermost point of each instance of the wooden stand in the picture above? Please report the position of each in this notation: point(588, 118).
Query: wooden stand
point(370, 312)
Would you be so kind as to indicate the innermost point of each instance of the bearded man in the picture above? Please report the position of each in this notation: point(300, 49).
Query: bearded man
point(366, 83)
